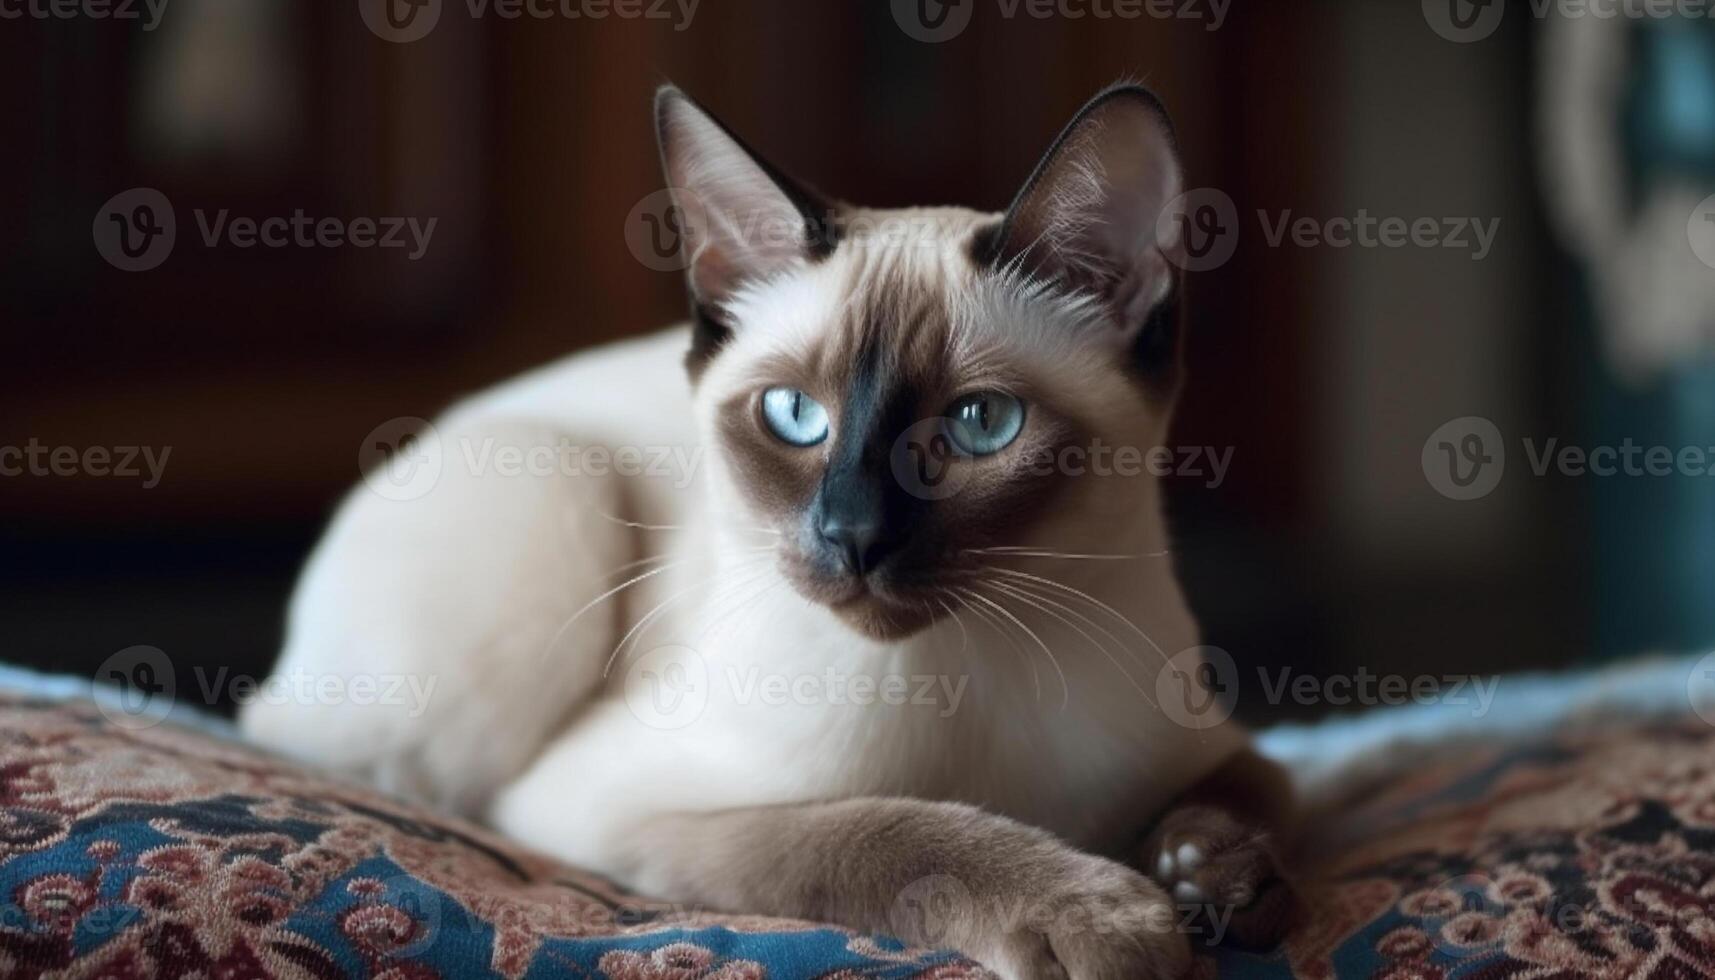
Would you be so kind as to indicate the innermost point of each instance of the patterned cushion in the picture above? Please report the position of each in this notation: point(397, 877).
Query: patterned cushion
point(166, 853)
point(1589, 854)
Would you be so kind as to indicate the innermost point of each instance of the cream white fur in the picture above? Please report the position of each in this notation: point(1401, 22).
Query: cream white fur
point(474, 583)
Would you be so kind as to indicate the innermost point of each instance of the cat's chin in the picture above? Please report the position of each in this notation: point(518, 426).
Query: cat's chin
point(881, 619)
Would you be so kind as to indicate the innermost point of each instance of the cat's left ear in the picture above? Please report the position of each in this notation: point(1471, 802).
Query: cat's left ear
point(747, 220)
point(1087, 217)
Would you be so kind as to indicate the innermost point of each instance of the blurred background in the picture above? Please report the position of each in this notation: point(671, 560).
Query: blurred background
point(528, 140)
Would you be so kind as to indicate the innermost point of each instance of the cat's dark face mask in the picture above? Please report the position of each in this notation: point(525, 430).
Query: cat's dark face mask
point(891, 519)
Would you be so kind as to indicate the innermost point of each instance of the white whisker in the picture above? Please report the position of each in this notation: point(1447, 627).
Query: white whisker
point(1092, 600)
point(1025, 552)
point(662, 607)
point(768, 585)
point(628, 583)
point(1047, 596)
point(964, 635)
point(999, 626)
point(610, 593)
point(1065, 688)
point(639, 526)
point(1039, 602)
point(638, 563)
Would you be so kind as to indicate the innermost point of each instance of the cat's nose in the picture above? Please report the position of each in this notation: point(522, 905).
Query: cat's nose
point(858, 542)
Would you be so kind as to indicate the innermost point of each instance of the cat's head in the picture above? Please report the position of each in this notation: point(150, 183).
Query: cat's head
point(894, 393)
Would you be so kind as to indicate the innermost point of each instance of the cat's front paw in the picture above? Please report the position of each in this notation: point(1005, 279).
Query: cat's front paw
point(1088, 919)
point(1204, 857)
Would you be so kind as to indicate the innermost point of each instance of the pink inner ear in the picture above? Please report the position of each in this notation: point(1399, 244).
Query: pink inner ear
point(1089, 215)
point(738, 246)
point(741, 225)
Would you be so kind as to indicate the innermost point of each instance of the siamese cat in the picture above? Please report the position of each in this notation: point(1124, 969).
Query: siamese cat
point(872, 653)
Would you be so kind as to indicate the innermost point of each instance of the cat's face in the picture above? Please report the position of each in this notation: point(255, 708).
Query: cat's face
point(892, 393)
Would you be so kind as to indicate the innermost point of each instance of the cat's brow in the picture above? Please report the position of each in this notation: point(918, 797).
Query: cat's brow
point(902, 316)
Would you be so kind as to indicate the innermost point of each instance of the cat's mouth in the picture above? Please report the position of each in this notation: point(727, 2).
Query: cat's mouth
point(877, 605)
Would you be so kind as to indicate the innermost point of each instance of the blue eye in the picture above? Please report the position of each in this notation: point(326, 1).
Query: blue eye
point(985, 422)
point(794, 417)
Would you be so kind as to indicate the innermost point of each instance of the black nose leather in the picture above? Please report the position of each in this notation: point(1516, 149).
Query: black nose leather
point(859, 543)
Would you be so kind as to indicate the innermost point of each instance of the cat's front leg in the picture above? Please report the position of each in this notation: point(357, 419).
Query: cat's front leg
point(942, 875)
point(1219, 850)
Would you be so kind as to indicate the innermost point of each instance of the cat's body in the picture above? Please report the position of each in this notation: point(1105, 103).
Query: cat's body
point(770, 722)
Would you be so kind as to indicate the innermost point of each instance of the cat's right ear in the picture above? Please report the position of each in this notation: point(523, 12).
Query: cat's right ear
point(743, 220)
point(1088, 217)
